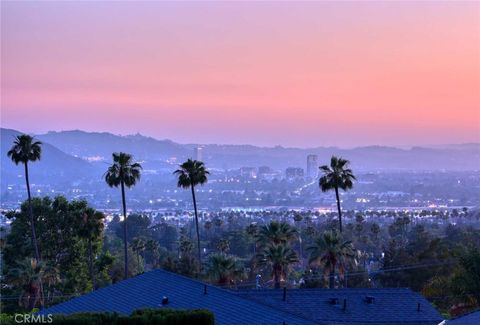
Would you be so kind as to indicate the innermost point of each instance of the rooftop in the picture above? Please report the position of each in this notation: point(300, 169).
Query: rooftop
point(350, 306)
point(468, 319)
point(147, 291)
point(301, 306)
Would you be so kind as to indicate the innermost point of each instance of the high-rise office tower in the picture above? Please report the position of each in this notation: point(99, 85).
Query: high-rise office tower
point(197, 153)
point(312, 166)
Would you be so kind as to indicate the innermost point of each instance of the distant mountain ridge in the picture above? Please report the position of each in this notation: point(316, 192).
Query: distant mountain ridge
point(77, 143)
point(54, 163)
point(84, 144)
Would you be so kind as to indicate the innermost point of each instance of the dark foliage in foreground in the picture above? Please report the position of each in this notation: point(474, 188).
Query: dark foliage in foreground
point(138, 317)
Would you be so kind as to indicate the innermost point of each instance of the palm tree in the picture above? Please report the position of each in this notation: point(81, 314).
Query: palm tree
point(123, 172)
point(278, 258)
point(276, 233)
point(331, 252)
point(138, 245)
point(25, 149)
point(223, 245)
point(28, 276)
point(91, 230)
point(297, 218)
point(153, 248)
point(224, 269)
point(337, 176)
point(208, 225)
point(190, 174)
point(252, 232)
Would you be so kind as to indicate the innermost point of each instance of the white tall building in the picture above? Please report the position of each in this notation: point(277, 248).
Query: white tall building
point(197, 153)
point(312, 166)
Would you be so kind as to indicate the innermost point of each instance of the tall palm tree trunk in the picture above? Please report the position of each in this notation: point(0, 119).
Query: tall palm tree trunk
point(301, 249)
point(30, 212)
point(196, 226)
point(332, 277)
point(125, 248)
point(276, 276)
point(138, 262)
point(34, 232)
point(90, 265)
point(339, 208)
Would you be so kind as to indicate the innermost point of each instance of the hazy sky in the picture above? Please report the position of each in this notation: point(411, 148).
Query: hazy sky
point(296, 74)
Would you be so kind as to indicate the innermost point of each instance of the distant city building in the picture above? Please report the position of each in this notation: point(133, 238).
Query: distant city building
point(249, 172)
point(266, 173)
point(312, 166)
point(264, 170)
point(294, 172)
point(197, 153)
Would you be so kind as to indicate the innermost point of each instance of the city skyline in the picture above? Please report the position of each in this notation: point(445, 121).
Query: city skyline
point(296, 75)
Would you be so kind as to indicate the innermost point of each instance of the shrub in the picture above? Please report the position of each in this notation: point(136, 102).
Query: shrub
point(138, 317)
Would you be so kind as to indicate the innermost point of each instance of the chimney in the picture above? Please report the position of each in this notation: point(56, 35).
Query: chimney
point(333, 301)
point(344, 304)
point(369, 299)
point(164, 300)
point(204, 289)
point(418, 306)
point(284, 293)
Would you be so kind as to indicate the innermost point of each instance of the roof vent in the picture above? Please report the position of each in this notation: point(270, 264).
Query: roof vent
point(333, 301)
point(369, 299)
point(164, 300)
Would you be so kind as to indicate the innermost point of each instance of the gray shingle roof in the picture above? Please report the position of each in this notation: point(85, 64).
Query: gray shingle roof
point(148, 289)
point(390, 306)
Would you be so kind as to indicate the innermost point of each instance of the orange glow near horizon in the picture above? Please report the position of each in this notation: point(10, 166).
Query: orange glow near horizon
point(296, 74)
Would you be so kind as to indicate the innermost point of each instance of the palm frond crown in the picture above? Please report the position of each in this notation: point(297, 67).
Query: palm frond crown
point(336, 175)
point(25, 149)
point(191, 172)
point(123, 169)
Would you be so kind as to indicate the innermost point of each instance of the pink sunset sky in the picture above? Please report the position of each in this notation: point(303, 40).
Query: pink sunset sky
point(295, 74)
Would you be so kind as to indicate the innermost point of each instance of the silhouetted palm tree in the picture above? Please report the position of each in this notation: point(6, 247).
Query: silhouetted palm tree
point(337, 176)
point(224, 269)
point(25, 149)
point(138, 246)
point(28, 276)
point(153, 248)
point(123, 172)
point(276, 233)
point(252, 232)
point(278, 258)
point(331, 252)
point(190, 174)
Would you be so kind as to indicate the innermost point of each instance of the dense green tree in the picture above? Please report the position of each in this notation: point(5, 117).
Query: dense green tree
point(331, 252)
point(190, 174)
point(337, 176)
point(63, 243)
point(124, 173)
point(91, 227)
point(138, 225)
